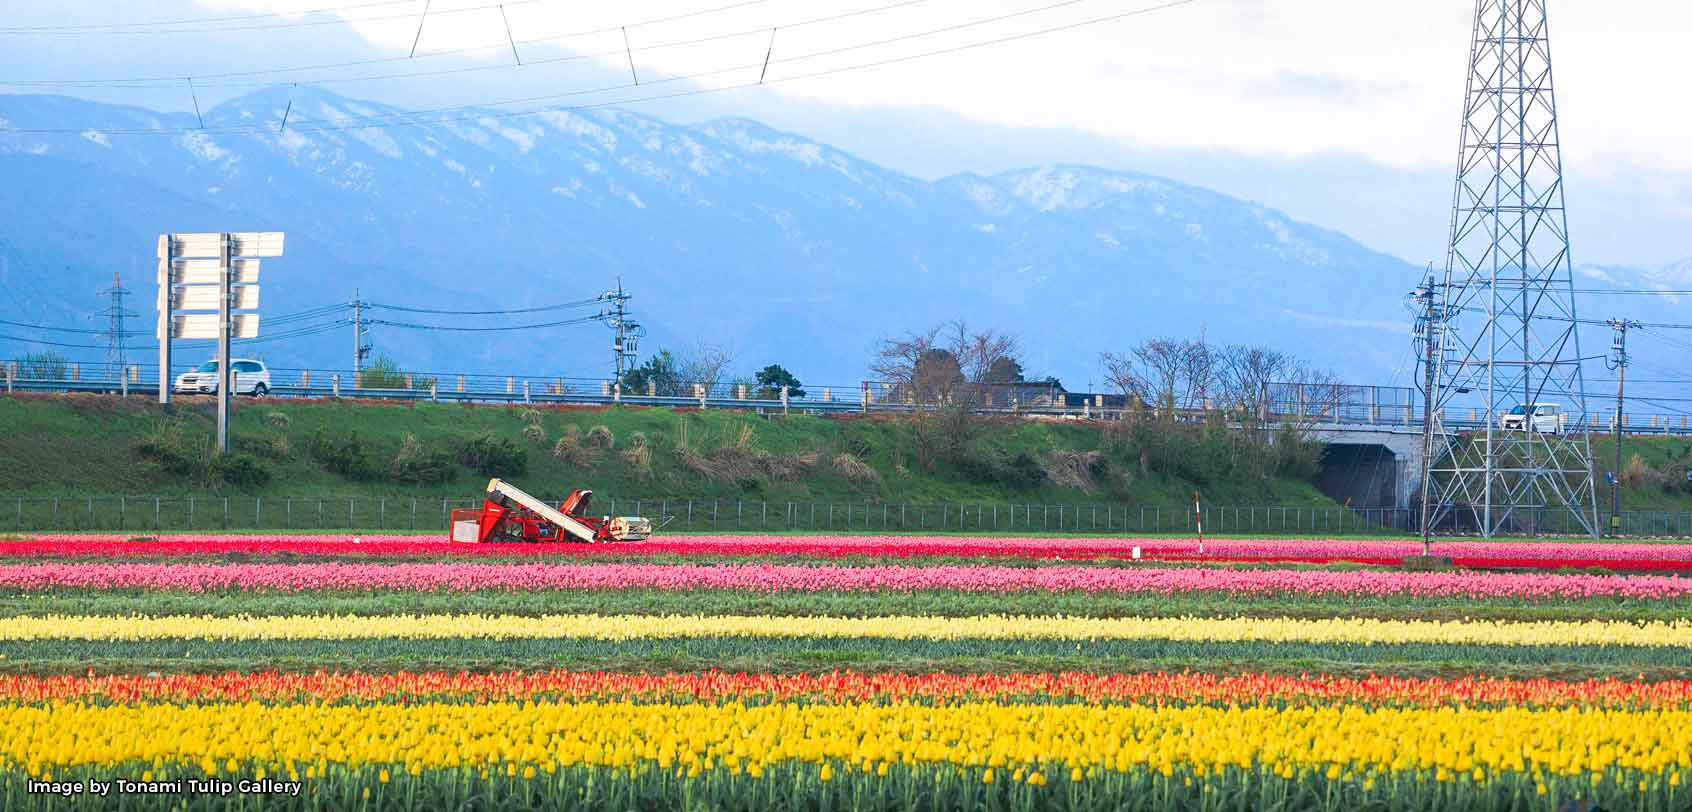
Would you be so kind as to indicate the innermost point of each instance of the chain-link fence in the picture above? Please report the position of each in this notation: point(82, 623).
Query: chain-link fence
point(422, 514)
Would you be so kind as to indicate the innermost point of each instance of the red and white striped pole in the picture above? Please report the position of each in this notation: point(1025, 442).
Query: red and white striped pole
point(1198, 520)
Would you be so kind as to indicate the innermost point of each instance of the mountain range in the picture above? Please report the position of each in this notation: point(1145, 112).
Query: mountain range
point(726, 231)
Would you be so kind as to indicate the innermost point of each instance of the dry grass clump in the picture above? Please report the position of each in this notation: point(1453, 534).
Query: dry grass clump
point(534, 433)
point(1072, 469)
point(600, 437)
point(572, 449)
point(855, 470)
point(739, 459)
point(638, 456)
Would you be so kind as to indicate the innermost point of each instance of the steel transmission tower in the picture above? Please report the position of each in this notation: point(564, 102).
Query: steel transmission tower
point(1508, 336)
point(117, 355)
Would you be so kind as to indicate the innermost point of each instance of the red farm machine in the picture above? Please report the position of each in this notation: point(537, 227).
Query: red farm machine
point(509, 514)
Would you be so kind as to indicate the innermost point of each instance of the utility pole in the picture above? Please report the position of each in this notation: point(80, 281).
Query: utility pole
point(1427, 331)
point(1618, 349)
point(361, 348)
point(117, 357)
point(625, 341)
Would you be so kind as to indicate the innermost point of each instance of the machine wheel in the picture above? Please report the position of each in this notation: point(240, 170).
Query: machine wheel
point(260, 390)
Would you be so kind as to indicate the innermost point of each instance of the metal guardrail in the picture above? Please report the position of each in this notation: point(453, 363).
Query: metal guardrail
point(1304, 404)
point(146, 514)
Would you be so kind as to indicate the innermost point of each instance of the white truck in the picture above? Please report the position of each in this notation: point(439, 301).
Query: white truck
point(1548, 418)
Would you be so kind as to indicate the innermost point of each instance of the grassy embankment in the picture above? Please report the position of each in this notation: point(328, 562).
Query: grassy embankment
point(103, 446)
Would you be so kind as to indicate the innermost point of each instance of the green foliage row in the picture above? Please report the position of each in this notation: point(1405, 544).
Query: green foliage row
point(943, 603)
point(707, 652)
point(921, 787)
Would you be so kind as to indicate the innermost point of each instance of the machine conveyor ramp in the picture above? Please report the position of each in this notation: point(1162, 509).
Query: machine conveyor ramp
point(500, 488)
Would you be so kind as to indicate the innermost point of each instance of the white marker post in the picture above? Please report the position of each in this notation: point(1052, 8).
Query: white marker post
point(1198, 519)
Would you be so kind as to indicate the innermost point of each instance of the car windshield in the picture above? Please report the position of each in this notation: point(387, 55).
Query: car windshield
point(1517, 410)
point(209, 366)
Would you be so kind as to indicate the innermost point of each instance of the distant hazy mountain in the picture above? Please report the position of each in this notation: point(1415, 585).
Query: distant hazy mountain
point(726, 231)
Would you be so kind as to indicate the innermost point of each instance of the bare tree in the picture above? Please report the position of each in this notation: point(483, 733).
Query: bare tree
point(1123, 372)
point(704, 363)
point(1245, 372)
point(895, 359)
point(977, 352)
point(1167, 372)
point(1197, 360)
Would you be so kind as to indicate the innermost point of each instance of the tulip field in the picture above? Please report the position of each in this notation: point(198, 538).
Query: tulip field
point(839, 672)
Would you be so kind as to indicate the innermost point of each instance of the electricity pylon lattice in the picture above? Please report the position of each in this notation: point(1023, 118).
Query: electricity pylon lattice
point(1508, 338)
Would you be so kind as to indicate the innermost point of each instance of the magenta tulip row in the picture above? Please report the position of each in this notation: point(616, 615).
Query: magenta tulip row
point(454, 576)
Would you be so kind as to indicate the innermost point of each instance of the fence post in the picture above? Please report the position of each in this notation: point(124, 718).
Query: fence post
point(617, 393)
point(434, 391)
point(525, 391)
point(335, 382)
point(784, 399)
point(651, 389)
point(864, 401)
point(700, 390)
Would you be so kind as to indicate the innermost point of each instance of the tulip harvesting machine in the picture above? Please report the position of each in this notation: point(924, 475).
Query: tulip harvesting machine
point(509, 514)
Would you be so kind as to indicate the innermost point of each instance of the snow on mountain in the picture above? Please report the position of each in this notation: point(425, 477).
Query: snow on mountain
point(727, 230)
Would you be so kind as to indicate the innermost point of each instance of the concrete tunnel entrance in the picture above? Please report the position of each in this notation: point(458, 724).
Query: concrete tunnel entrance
point(1362, 475)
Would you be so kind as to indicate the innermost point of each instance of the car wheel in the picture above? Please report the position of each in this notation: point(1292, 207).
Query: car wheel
point(260, 390)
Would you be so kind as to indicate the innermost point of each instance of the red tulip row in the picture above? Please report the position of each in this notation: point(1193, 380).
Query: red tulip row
point(846, 686)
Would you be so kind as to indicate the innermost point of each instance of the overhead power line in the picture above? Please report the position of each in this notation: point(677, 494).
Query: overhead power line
point(560, 306)
point(154, 82)
point(411, 326)
point(68, 329)
point(416, 118)
point(206, 20)
point(212, 28)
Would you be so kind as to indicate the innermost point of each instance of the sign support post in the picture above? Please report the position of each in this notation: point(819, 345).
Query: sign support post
point(164, 320)
point(214, 274)
point(225, 375)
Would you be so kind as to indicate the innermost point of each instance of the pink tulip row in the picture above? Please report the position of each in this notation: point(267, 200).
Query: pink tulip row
point(871, 545)
point(293, 577)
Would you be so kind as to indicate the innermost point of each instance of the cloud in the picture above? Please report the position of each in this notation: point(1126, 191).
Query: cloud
point(1355, 324)
point(1326, 87)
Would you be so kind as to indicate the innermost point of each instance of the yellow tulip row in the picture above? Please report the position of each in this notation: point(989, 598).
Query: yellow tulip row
point(1009, 627)
point(304, 739)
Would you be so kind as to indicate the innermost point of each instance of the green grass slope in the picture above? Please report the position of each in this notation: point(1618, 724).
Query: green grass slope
point(95, 445)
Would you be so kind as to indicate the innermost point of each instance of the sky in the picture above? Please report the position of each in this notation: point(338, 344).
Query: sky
point(1382, 79)
point(1342, 112)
